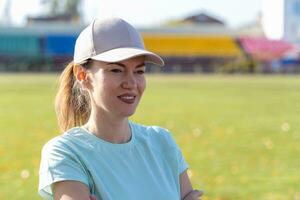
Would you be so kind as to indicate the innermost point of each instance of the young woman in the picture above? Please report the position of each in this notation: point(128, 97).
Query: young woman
point(101, 154)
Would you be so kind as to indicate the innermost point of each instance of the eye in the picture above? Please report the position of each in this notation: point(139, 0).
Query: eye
point(116, 70)
point(140, 71)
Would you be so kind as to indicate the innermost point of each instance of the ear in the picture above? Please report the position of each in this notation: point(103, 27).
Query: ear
point(79, 72)
point(81, 75)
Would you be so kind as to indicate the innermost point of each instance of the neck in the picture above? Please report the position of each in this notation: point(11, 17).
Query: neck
point(114, 130)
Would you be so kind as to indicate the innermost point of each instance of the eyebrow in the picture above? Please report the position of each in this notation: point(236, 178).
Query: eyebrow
point(122, 65)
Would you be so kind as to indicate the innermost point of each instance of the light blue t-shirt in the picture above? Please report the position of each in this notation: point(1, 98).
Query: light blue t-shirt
point(146, 167)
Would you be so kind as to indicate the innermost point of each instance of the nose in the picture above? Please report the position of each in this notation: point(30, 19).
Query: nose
point(129, 81)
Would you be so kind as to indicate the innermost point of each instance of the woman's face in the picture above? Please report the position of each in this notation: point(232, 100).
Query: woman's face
point(116, 88)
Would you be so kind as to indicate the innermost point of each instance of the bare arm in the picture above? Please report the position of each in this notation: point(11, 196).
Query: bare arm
point(75, 190)
point(185, 184)
point(186, 189)
point(70, 190)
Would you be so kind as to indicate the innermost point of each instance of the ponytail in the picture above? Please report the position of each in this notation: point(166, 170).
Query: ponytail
point(72, 103)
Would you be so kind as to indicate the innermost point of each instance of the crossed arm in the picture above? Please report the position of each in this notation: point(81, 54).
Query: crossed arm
point(75, 190)
point(186, 190)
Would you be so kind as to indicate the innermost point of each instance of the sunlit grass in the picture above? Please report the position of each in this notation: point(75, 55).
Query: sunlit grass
point(239, 134)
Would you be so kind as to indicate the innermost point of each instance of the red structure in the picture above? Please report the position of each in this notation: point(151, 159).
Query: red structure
point(262, 49)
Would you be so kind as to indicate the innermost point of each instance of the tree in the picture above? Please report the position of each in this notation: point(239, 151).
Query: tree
point(71, 7)
point(59, 7)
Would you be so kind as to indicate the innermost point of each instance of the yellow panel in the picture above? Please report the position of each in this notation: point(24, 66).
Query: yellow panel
point(184, 45)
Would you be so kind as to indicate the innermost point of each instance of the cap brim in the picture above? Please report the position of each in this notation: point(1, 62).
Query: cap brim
point(120, 54)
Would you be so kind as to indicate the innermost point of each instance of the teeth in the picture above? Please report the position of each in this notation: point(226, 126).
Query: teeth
point(127, 97)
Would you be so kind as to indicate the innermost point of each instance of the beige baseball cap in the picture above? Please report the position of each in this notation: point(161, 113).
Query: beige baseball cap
point(111, 40)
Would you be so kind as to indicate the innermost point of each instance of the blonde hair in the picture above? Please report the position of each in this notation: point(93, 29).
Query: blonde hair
point(72, 103)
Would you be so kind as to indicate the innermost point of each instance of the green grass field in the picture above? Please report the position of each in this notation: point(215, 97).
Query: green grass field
point(239, 134)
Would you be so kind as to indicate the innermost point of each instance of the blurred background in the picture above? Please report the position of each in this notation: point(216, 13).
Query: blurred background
point(196, 36)
point(229, 92)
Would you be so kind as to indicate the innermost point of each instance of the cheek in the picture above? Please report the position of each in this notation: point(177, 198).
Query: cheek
point(142, 85)
point(98, 88)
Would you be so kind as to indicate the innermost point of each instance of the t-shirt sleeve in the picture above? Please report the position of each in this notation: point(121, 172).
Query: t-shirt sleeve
point(58, 163)
point(182, 164)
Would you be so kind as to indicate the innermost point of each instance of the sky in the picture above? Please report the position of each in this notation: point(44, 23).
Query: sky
point(147, 13)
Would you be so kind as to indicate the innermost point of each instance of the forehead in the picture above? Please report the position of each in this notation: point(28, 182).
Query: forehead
point(138, 59)
point(131, 62)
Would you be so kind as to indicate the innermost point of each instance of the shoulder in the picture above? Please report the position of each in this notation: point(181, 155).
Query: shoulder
point(154, 134)
point(66, 143)
point(150, 130)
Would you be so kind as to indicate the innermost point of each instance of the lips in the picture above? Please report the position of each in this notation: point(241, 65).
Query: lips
point(127, 98)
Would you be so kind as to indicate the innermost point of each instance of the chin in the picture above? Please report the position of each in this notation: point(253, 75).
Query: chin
point(127, 113)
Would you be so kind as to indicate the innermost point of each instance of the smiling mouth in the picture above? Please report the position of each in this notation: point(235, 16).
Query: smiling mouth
point(129, 99)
